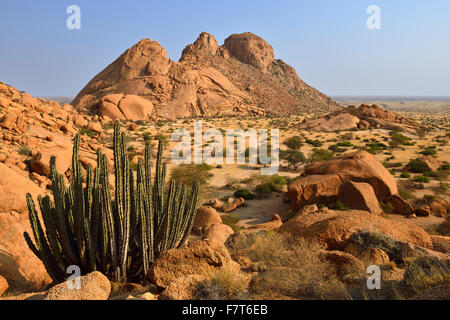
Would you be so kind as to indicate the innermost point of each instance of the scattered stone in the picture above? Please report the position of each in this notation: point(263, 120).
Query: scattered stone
point(94, 286)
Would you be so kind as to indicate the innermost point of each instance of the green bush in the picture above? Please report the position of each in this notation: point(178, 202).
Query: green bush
point(338, 206)
point(422, 179)
point(187, 174)
point(417, 166)
point(405, 175)
point(429, 151)
point(314, 143)
point(274, 183)
point(231, 220)
point(245, 194)
point(321, 155)
point(445, 167)
point(294, 143)
point(294, 158)
point(387, 207)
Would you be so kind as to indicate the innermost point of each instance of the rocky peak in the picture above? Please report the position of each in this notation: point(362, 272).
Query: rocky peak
point(251, 49)
point(205, 44)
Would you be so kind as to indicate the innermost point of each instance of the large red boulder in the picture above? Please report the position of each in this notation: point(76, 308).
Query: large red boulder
point(359, 166)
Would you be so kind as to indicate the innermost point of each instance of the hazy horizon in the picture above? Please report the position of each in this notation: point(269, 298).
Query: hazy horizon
point(328, 43)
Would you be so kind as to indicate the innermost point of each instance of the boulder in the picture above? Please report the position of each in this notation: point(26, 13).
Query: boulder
point(93, 286)
point(125, 107)
point(40, 163)
point(235, 204)
point(314, 189)
point(374, 256)
point(218, 232)
point(359, 166)
point(183, 288)
point(400, 205)
point(340, 122)
point(439, 205)
point(206, 216)
point(250, 49)
point(359, 196)
point(3, 285)
point(441, 244)
point(344, 263)
point(198, 258)
point(332, 229)
point(273, 224)
point(18, 264)
point(423, 211)
point(13, 190)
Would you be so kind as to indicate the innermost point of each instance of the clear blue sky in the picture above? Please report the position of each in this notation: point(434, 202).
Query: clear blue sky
point(327, 41)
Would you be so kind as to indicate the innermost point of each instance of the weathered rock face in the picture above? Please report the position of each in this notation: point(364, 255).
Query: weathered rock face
point(3, 285)
point(359, 196)
point(218, 232)
point(341, 122)
point(239, 78)
point(332, 229)
point(313, 189)
point(359, 166)
point(363, 117)
point(18, 264)
point(205, 217)
point(13, 190)
point(183, 288)
point(198, 258)
point(93, 286)
point(250, 49)
point(121, 107)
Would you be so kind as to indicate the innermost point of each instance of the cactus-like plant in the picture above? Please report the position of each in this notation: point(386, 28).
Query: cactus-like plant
point(119, 237)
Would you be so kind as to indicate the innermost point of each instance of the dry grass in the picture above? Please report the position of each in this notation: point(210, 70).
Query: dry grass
point(294, 269)
point(225, 284)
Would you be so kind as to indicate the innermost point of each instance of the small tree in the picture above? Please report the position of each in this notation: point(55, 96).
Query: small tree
point(294, 158)
point(294, 143)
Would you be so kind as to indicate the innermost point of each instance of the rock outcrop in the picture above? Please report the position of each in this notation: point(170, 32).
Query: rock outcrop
point(242, 77)
point(332, 229)
point(363, 117)
point(198, 258)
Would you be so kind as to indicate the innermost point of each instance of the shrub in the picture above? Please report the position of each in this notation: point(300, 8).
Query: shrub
point(422, 179)
point(245, 194)
point(405, 175)
point(189, 173)
point(25, 150)
point(346, 144)
point(294, 143)
point(293, 268)
point(224, 284)
point(368, 239)
point(445, 167)
point(321, 155)
point(417, 166)
point(426, 272)
point(387, 207)
point(231, 220)
point(274, 183)
point(338, 206)
point(429, 151)
point(314, 143)
point(347, 136)
point(294, 158)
